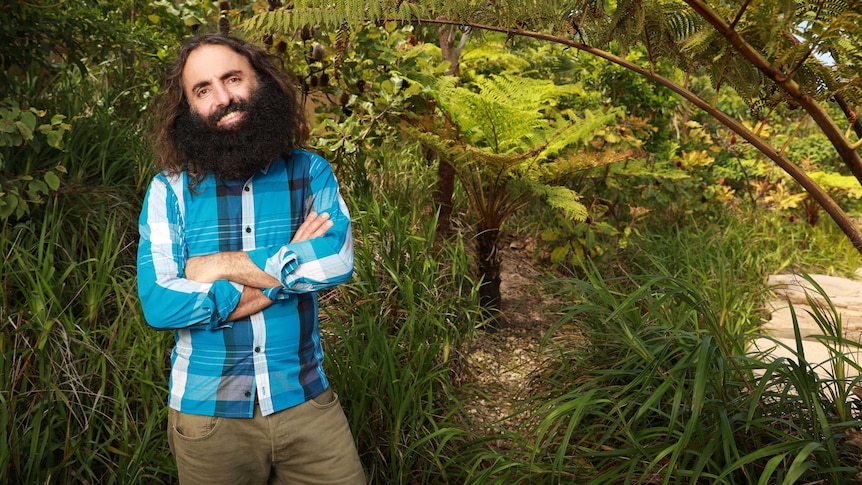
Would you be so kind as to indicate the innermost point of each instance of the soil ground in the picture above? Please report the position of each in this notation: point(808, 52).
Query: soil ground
point(501, 363)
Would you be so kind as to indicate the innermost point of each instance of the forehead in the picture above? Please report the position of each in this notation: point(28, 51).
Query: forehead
point(210, 62)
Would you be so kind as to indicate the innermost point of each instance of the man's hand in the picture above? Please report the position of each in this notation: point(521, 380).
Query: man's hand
point(314, 226)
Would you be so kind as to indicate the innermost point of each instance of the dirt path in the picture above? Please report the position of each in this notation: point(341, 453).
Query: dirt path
point(501, 363)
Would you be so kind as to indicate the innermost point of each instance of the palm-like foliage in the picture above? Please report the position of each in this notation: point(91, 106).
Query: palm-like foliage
point(504, 139)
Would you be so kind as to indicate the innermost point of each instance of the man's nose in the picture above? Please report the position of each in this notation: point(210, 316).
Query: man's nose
point(221, 95)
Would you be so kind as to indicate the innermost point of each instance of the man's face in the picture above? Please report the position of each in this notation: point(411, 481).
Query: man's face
point(238, 123)
point(215, 78)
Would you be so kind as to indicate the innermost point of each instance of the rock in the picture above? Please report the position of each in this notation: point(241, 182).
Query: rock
point(844, 294)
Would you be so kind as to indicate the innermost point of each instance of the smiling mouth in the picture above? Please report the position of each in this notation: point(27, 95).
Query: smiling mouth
point(230, 118)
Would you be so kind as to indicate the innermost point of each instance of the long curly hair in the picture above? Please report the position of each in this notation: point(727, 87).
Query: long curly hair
point(172, 99)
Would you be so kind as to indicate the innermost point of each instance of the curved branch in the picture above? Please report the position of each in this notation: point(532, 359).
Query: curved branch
point(814, 190)
point(830, 129)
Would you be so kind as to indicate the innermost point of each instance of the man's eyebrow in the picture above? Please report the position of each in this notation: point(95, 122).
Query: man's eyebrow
point(231, 73)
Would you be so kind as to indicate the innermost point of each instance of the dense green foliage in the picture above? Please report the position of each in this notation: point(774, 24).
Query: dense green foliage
point(657, 244)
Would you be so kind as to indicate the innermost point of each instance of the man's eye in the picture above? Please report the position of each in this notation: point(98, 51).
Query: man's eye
point(203, 92)
point(233, 80)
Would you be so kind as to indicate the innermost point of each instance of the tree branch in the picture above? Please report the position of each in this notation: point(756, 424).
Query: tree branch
point(830, 129)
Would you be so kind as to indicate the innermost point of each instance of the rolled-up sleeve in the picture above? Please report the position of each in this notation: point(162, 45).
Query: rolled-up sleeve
point(169, 300)
point(318, 263)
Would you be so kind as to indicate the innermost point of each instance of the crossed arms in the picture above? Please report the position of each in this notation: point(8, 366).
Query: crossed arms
point(212, 289)
point(236, 266)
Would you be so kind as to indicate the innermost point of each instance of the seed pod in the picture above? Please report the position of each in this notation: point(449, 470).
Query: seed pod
point(313, 81)
point(224, 26)
point(280, 47)
point(317, 52)
point(305, 33)
point(324, 79)
point(344, 99)
point(360, 86)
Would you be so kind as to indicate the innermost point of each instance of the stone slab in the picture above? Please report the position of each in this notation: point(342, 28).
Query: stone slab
point(789, 289)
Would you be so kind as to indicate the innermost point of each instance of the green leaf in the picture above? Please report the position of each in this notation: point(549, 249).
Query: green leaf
point(413, 90)
point(55, 139)
point(36, 187)
point(559, 254)
point(29, 119)
point(52, 180)
point(8, 203)
point(25, 130)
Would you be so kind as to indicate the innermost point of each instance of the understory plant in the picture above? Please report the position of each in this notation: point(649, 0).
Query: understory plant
point(659, 392)
point(82, 379)
point(510, 146)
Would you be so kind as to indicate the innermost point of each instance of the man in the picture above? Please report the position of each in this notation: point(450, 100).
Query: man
point(237, 234)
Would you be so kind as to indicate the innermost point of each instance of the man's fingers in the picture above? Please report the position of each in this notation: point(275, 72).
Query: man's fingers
point(314, 226)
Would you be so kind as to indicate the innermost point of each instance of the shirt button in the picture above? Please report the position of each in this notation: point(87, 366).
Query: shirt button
point(247, 229)
point(247, 393)
point(257, 349)
point(247, 188)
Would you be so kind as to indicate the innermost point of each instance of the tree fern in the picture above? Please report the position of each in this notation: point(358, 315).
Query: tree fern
point(504, 153)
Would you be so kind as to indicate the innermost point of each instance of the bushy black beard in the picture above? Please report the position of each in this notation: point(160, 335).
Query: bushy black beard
point(236, 152)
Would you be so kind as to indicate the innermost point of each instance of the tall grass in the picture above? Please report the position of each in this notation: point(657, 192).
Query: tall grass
point(82, 380)
point(655, 398)
point(396, 334)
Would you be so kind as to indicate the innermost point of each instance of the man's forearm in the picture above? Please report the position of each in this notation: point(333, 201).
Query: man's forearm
point(235, 266)
point(252, 301)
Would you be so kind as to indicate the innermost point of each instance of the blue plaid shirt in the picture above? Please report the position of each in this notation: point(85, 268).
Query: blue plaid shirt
point(217, 367)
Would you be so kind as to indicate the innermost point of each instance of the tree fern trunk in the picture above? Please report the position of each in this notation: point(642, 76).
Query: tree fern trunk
point(443, 194)
point(489, 263)
point(445, 170)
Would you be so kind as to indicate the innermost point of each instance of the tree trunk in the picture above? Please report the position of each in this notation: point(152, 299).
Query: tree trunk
point(450, 52)
point(445, 170)
point(443, 192)
point(489, 262)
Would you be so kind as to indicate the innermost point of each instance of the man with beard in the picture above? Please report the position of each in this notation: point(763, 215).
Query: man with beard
point(237, 234)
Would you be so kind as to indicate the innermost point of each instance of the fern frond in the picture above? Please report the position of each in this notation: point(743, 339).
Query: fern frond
point(504, 113)
point(564, 169)
point(578, 132)
point(563, 199)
